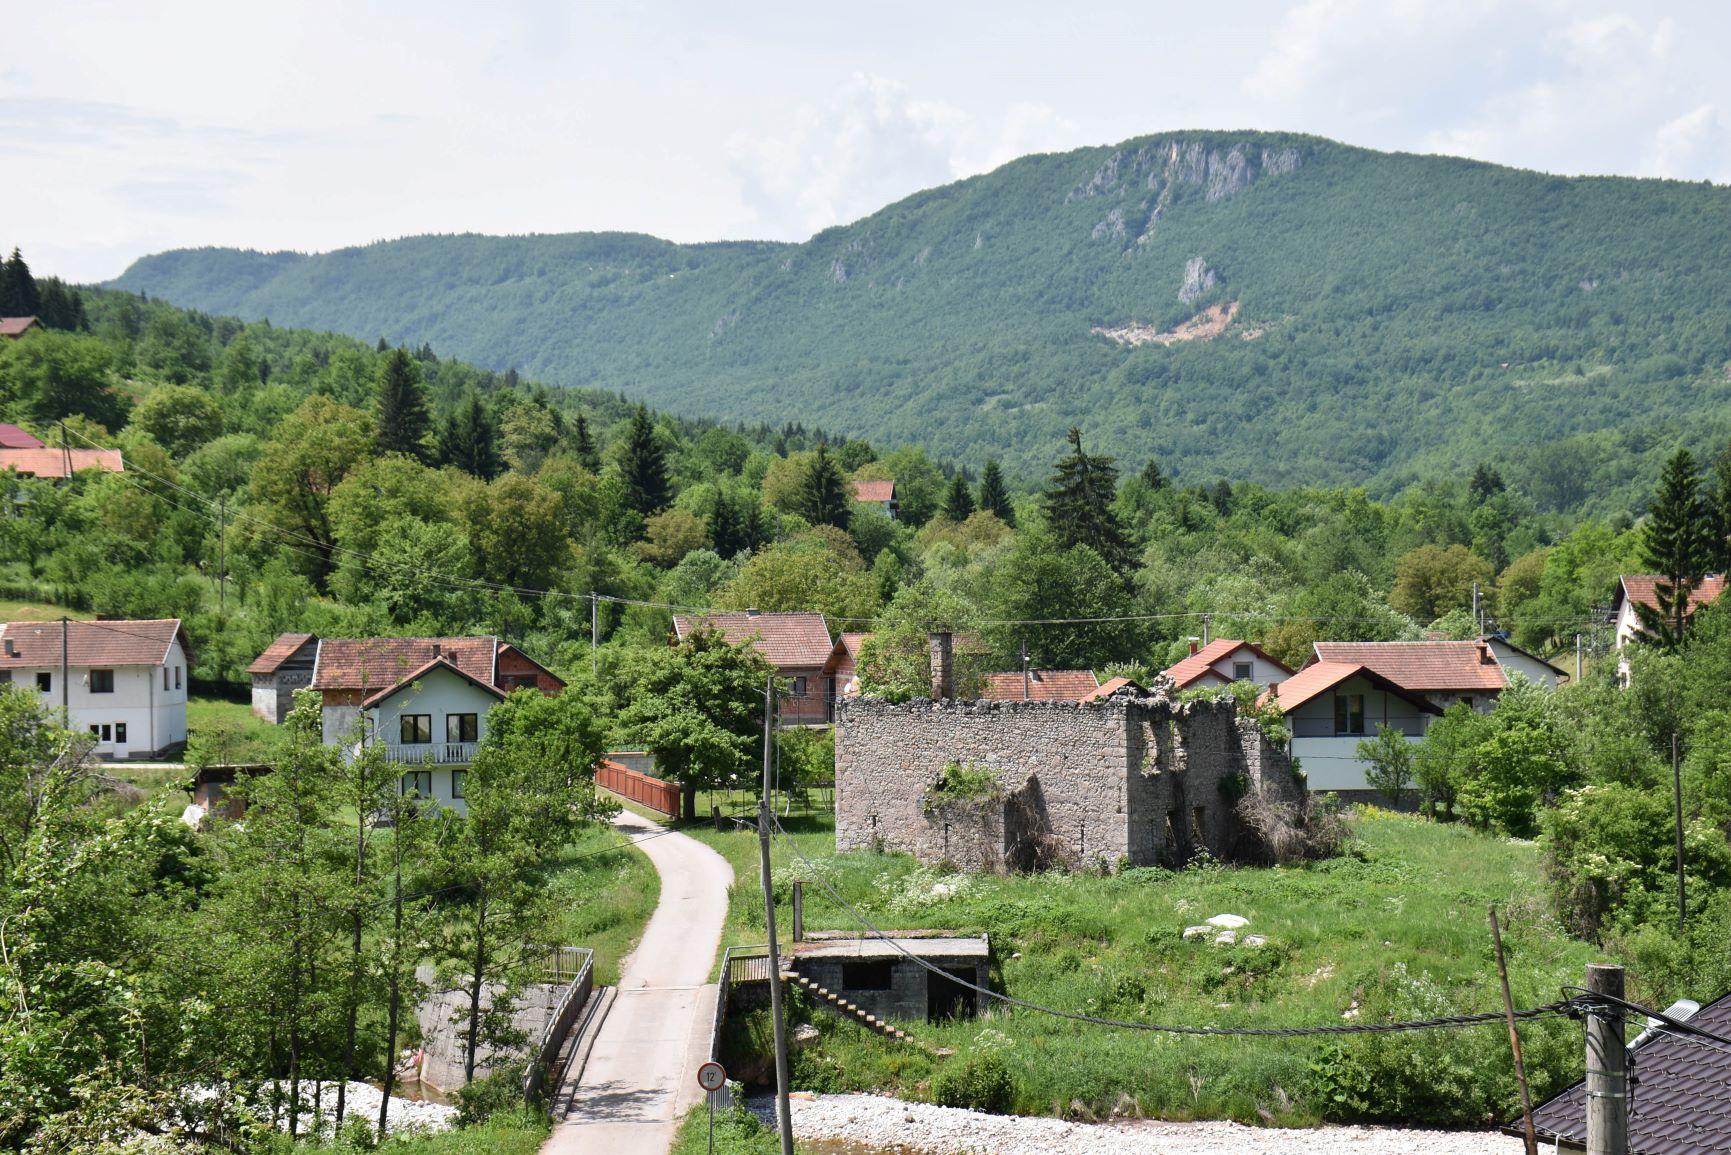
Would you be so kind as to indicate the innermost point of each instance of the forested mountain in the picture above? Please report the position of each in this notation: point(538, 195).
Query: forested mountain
point(1360, 317)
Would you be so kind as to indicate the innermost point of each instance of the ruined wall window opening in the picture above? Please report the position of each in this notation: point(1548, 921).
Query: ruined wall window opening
point(868, 976)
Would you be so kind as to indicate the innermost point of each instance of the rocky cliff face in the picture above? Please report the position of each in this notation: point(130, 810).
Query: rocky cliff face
point(1159, 171)
point(1199, 281)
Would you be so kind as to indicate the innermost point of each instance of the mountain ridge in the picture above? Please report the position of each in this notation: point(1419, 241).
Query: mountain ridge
point(1393, 313)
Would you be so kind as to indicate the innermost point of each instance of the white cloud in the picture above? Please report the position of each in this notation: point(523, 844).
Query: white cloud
point(871, 143)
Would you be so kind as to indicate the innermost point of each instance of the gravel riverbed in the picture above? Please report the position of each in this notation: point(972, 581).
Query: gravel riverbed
point(871, 1123)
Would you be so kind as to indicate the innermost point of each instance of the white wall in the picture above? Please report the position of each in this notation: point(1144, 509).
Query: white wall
point(155, 718)
point(1333, 763)
point(1262, 671)
point(1513, 661)
point(440, 694)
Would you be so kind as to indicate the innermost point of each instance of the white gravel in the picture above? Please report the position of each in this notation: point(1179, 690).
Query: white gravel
point(883, 1124)
point(405, 1115)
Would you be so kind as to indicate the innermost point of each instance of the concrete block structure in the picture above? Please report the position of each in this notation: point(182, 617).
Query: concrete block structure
point(988, 786)
point(880, 978)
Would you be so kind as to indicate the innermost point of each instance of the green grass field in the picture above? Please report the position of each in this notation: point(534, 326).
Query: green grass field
point(514, 1133)
point(1394, 930)
point(227, 730)
point(12, 610)
point(602, 895)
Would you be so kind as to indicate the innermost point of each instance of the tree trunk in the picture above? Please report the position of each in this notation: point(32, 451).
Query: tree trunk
point(688, 801)
point(354, 1007)
point(396, 993)
point(475, 988)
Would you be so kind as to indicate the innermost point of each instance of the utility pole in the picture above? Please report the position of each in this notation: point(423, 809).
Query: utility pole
point(594, 635)
point(65, 690)
point(1514, 1038)
point(1027, 684)
point(1607, 1067)
point(1206, 619)
point(1577, 659)
point(783, 1112)
point(1478, 617)
point(222, 555)
point(1677, 797)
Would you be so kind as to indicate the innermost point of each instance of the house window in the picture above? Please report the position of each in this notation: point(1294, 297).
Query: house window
point(1349, 713)
point(5, 677)
point(457, 777)
point(415, 729)
point(165, 677)
point(1242, 671)
point(45, 682)
point(799, 687)
point(418, 784)
point(460, 727)
point(120, 732)
point(511, 682)
point(177, 677)
point(102, 681)
point(868, 976)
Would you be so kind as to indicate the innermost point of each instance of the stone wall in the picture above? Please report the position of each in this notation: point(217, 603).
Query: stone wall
point(1145, 780)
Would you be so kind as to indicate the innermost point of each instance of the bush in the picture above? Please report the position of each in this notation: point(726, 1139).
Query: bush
point(982, 1083)
point(486, 1097)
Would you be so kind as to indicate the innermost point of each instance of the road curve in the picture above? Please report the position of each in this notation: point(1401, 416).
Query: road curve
point(641, 1075)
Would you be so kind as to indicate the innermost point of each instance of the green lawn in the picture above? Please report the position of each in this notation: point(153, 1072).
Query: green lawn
point(1394, 930)
point(16, 611)
point(602, 894)
point(513, 1133)
point(227, 730)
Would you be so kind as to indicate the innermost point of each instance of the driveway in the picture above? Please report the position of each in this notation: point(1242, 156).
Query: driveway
point(642, 1074)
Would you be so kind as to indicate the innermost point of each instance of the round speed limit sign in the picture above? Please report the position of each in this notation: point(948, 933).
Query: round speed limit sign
point(711, 1077)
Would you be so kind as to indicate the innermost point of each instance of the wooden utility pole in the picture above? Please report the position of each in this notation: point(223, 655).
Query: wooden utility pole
point(65, 690)
point(1607, 1067)
point(222, 556)
point(1514, 1039)
point(1577, 659)
point(783, 1112)
point(594, 635)
point(1677, 798)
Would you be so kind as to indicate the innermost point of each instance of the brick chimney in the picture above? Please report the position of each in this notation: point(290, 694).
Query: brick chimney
point(943, 666)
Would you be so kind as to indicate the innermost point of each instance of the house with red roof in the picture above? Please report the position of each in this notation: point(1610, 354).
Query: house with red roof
point(1642, 589)
point(52, 464)
point(1331, 706)
point(798, 645)
point(13, 328)
point(879, 493)
point(124, 682)
point(1039, 686)
point(1475, 672)
point(847, 664)
point(1224, 661)
point(13, 437)
point(425, 700)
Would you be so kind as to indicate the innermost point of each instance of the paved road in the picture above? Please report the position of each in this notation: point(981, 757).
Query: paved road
point(641, 1076)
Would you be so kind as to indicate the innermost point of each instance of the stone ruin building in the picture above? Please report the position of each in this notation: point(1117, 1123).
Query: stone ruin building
point(1135, 777)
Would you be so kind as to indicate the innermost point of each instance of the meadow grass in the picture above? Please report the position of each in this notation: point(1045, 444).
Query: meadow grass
point(13, 610)
point(511, 1133)
point(227, 730)
point(602, 893)
point(1394, 929)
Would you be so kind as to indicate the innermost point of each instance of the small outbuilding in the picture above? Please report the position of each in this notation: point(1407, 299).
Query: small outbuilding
point(885, 977)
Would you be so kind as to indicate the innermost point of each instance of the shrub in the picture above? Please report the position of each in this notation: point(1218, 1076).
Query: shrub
point(496, 1093)
point(982, 1083)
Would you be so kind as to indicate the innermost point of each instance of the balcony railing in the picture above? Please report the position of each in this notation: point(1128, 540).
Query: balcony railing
point(439, 753)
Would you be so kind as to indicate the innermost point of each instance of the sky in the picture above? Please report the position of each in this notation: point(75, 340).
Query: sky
point(128, 128)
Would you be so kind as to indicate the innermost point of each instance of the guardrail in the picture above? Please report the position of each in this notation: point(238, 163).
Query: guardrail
point(737, 966)
point(639, 788)
point(565, 1012)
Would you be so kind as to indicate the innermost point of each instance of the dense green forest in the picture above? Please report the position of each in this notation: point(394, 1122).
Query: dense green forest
point(1395, 315)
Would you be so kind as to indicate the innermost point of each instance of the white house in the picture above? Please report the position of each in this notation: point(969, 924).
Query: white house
point(1643, 589)
point(124, 681)
point(1476, 671)
point(1331, 707)
point(430, 722)
point(1224, 661)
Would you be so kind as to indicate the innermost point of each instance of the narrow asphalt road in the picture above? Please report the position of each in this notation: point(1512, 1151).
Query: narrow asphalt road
point(642, 1073)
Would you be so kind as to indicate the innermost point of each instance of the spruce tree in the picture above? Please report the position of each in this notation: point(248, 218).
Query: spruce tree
point(584, 443)
point(1151, 475)
point(468, 440)
point(643, 466)
point(1486, 483)
point(18, 293)
point(959, 501)
point(1678, 547)
point(994, 498)
point(1719, 514)
point(1079, 505)
point(402, 407)
point(824, 497)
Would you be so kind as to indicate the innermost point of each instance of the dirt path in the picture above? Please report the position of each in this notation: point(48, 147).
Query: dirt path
point(641, 1076)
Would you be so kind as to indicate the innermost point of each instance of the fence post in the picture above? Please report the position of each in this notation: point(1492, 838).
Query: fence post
point(798, 910)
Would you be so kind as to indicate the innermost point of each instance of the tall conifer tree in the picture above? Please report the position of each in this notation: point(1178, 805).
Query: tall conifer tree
point(1678, 547)
point(994, 498)
point(1079, 505)
point(468, 440)
point(584, 443)
point(643, 466)
point(959, 500)
point(1719, 514)
point(18, 293)
point(402, 407)
point(824, 498)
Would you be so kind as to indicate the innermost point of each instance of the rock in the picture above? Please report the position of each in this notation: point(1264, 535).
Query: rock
point(1112, 226)
point(1255, 939)
point(1229, 921)
point(804, 1036)
point(1199, 281)
point(1198, 931)
point(1226, 938)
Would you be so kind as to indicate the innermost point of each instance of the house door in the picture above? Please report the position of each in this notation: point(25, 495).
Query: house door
point(946, 998)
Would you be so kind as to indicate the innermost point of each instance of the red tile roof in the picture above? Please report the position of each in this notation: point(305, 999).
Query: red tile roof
point(851, 643)
point(15, 326)
point(1042, 686)
point(874, 491)
point(1193, 667)
point(1110, 687)
point(1320, 677)
point(1423, 665)
point(441, 662)
point(26, 645)
point(1681, 1107)
point(373, 663)
point(786, 640)
point(278, 652)
point(53, 462)
point(1643, 589)
point(12, 437)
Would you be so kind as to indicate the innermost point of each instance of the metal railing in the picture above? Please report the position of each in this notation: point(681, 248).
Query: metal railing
point(438, 753)
point(737, 966)
point(565, 1013)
